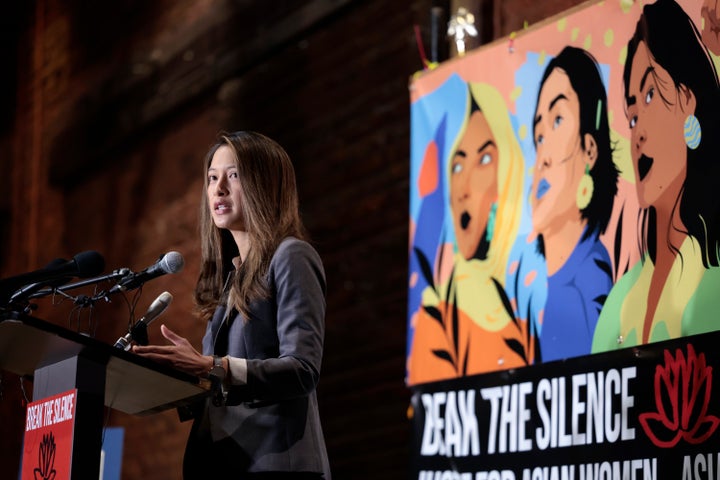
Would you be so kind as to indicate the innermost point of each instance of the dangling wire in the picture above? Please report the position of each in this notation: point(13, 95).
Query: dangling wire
point(132, 304)
point(75, 316)
point(26, 400)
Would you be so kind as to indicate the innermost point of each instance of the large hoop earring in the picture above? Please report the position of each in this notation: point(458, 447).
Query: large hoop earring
point(692, 132)
point(585, 189)
point(490, 229)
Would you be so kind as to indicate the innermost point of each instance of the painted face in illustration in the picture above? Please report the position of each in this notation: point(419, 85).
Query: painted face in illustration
point(473, 183)
point(561, 159)
point(656, 112)
point(224, 191)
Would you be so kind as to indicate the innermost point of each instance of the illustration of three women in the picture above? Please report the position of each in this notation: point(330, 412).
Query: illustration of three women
point(556, 298)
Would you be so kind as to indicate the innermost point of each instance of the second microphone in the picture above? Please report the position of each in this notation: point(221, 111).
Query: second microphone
point(139, 331)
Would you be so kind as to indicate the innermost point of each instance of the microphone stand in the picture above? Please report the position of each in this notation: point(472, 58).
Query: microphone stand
point(20, 300)
point(117, 274)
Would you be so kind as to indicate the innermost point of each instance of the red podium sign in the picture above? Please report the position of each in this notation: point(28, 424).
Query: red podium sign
point(49, 426)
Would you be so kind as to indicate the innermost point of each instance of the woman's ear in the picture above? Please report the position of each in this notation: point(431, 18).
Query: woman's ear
point(591, 150)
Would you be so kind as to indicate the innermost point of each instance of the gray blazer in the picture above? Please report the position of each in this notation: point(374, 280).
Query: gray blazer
point(274, 418)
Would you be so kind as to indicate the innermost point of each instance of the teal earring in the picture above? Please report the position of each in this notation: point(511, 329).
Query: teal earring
point(692, 132)
point(490, 229)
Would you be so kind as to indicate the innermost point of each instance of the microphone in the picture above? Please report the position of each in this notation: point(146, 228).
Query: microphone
point(84, 264)
point(139, 331)
point(29, 290)
point(171, 262)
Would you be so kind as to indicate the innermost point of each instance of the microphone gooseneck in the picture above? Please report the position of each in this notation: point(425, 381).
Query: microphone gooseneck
point(139, 331)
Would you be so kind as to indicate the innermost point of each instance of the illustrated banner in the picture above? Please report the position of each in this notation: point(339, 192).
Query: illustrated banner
point(564, 191)
point(564, 226)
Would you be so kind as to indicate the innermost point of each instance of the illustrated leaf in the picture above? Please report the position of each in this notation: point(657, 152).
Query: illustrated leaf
point(467, 355)
point(618, 242)
point(516, 347)
point(451, 283)
point(538, 351)
point(530, 321)
point(434, 313)
point(455, 326)
point(533, 338)
point(516, 284)
point(444, 355)
point(441, 254)
point(425, 267)
point(505, 301)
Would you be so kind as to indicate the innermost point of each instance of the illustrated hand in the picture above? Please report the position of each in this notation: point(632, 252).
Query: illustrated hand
point(180, 354)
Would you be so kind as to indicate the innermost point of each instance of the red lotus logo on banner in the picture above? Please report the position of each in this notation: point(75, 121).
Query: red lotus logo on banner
point(682, 395)
point(46, 459)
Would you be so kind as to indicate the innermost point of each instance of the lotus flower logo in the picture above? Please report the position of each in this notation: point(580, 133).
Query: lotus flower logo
point(46, 459)
point(682, 395)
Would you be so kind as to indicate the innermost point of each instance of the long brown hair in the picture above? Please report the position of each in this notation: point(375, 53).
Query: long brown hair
point(270, 211)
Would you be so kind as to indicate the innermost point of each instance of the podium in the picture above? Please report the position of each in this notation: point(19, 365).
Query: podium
point(61, 360)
